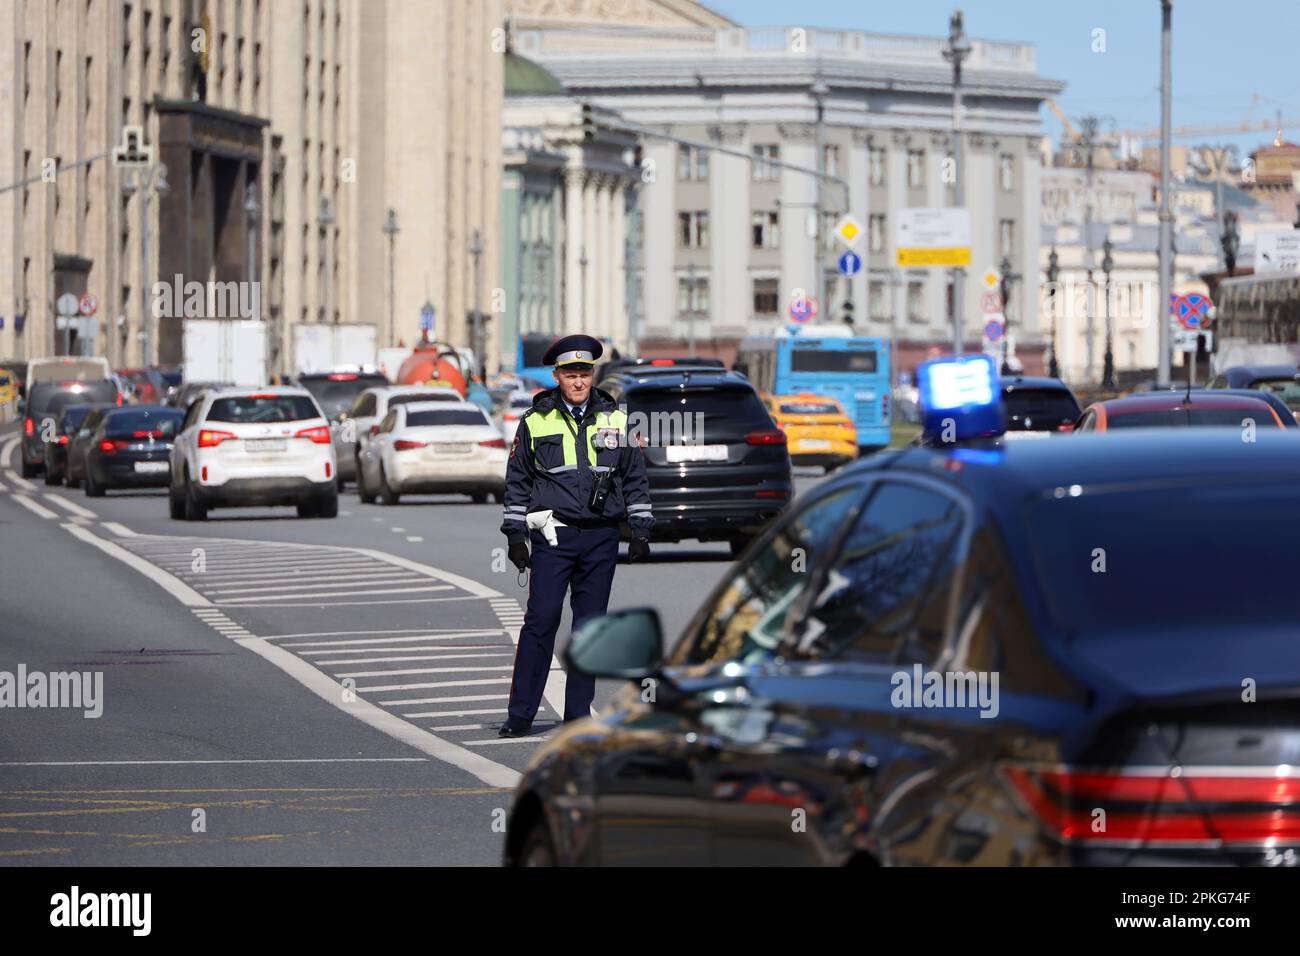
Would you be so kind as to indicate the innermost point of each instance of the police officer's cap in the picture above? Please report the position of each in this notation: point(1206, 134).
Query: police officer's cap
point(573, 350)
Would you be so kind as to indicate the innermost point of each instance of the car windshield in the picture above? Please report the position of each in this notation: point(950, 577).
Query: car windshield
point(54, 396)
point(128, 422)
point(423, 397)
point(1235, 533)
point(1164, 418)
point(1287, 389)
point(263, 408)
point(336, 394)
point(1038, 409)
point(809, 408)
point(446, 416)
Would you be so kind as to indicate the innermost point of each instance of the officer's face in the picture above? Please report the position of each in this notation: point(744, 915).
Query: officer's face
point(575, 383)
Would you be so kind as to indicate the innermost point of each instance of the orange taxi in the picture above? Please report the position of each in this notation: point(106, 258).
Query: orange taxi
point(817, 429)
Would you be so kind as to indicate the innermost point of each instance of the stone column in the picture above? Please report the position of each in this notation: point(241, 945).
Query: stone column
point(619, 322)
point(574, 222)
point(798, 194)
point(659, 202)
point(730, 302)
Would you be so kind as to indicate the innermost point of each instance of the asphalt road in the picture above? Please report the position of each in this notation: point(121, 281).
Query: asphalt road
point(275, 691)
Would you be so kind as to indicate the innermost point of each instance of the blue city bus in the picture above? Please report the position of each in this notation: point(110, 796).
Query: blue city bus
point(528, 359)
point(829, 361)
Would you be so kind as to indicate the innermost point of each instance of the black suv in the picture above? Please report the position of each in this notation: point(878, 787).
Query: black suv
point(613, 366)
point(336, 391)
point(718, 466)
point(45, 400)
point(1039, 404)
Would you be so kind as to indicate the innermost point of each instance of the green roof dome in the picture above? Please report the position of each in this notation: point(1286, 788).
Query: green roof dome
point(523, 77)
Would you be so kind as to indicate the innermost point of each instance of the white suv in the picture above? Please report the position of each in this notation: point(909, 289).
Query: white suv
point(254, 446)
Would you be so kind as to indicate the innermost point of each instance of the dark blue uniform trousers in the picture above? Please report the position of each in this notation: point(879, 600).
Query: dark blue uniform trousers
point(583, 563)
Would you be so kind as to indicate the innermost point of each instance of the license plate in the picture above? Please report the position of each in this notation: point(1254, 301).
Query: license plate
point(151, 467)
point(680, 453)
point(452, 448)
point(814, 444)
point(1020, 436)
point(257, 446)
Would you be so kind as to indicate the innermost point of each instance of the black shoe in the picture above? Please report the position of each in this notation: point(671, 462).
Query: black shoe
point(516, 729)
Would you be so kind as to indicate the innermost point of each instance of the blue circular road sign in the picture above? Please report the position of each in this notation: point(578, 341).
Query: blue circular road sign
point(850, 264)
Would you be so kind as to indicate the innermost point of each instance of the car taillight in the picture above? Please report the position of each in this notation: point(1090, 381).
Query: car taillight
point(781, 425)
point(772, 436)
point(780, 493)
point(211, 439)
point(511, 418)
point(110, 446)
point(263, 395)
point(405, 444)
point(342, 377)
point(119, 399)
point(320, 434)
point(147, 434)
point(29, 427)
point(493, 443)
point(1065, 427)
point(1152, 806)
point(63, 439)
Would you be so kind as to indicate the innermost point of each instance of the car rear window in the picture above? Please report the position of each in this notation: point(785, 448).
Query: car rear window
point(446, 416)
point(273, 408)
point(429, 397)
point(523, 401)
point(54, 396)
point(124, 423)
point(1238, 532)
point(336, 395)
point(1191, 416)
point(809, 408)
point(72, 418)
point(728, 411)
point(843, 360)
point(1039, 409)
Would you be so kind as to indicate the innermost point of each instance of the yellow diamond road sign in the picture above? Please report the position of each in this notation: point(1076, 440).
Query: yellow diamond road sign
point(991, 279)
point(849, 231)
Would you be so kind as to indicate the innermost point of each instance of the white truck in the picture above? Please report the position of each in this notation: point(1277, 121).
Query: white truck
point(324, 347)
point(225, 350)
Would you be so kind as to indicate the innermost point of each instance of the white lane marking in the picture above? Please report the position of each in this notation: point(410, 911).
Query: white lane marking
point(437, 683)
point(177, 589)
point(398, 530)
point(23, 483)
point(400, 630)
point(462, 727)
point(293, 595)
point(315, 586)
point(421, 636)
point(72, 506)
point(7, 449)
point(506, 740)
point(440, 700)
point(414, 538)
point(417, 657)
point(489, 771)
point(363, 577)
point(510, 617)
point(39, 510)
point(456, 713)
point(464, 583)
point(408, 671)
point(121, 530)
point(152, 763)
point(344, 600)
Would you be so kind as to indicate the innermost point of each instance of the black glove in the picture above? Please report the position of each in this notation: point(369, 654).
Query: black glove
point(638, 549)
point(519, 555)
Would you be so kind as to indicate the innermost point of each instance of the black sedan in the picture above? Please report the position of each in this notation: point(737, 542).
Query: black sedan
point(131, 448)
point(1063, 652)
point(66, 426)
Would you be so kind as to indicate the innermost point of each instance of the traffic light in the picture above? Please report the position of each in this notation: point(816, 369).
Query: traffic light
point(588, 122)
point(847, 312)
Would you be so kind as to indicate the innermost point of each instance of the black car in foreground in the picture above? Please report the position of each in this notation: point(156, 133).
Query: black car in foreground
point(131, 447)
point(718, 466)
point(1071, 652)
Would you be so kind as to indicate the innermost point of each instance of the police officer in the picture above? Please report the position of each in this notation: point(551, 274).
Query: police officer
point(572, 478)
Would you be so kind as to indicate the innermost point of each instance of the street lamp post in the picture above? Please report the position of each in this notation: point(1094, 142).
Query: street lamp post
point(149, 181)
point(476, 317)
point(326, 219)
point(1005, 282)
point(958, 48)
point(690, 309)
point(391, 230)
point(251, 215)
point(1231, 242)
point(1108, 360)
point(1053, 276)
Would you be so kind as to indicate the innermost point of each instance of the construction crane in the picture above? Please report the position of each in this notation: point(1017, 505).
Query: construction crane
point(1065, 120)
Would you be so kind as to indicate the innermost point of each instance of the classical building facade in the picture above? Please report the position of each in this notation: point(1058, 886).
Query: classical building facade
point(730, 240)
point(569, 214)
point(288, 129)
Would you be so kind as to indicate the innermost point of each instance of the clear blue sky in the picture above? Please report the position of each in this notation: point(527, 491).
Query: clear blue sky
point(1224, 52)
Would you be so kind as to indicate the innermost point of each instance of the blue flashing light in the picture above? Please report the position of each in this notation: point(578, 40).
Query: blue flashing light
point(979, 456)
point(960, 398)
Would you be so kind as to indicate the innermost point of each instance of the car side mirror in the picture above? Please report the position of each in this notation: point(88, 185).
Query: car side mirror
point(623, 644)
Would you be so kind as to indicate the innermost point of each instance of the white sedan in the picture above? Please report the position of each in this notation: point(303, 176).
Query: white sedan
point(515, 406)
point(433, 447)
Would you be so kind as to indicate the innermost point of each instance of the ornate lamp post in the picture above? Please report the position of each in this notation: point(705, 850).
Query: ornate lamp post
point(1053, 276)
point(1108, 368)
point(391, 230)
point(1005, 283)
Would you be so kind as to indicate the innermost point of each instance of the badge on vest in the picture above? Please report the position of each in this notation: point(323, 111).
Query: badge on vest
point(606, 438)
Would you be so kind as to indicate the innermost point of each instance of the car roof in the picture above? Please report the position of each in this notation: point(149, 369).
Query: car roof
point(662, 376)
point(1162, 401)
point(341, 371)
point(1012, 382)
point(243, 391)
point(409, 407)
point(1244, 372)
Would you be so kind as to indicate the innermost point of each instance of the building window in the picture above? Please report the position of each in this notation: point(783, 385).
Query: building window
point(876, 232)
point(876, 300)
point(693, 230)
point(916, 300)
point(1007, 172)
point(876, 167)
point(764, 170)
point(1007, 237)
point(767, 297)
point(915, 168)
point(692, 296)
point(766, 230)
point(831, 160)
point(692, 163)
